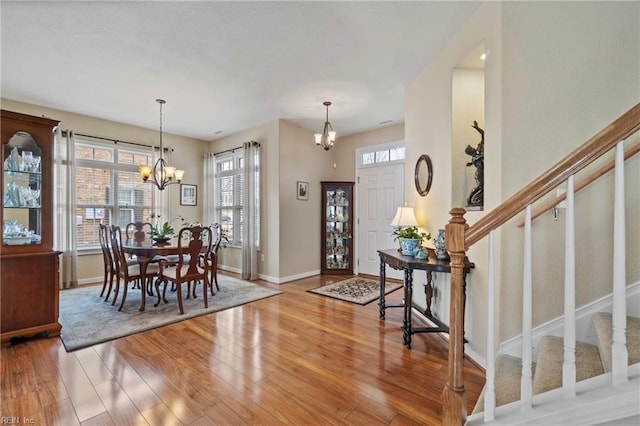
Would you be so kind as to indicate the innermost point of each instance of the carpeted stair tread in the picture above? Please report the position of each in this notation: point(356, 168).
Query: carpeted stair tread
point(550, 359)
point(507, 382)
point(603, 322)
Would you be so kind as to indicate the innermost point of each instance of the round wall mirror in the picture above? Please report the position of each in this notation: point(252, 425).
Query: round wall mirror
point(423, 175)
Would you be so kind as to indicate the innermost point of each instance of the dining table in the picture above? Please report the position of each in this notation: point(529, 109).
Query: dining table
point(145, 251)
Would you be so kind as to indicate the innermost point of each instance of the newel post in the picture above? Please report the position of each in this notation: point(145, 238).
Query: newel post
point(453, 396)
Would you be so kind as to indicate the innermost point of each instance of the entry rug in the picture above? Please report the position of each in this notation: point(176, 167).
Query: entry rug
point(356, 290)
point(88, 320)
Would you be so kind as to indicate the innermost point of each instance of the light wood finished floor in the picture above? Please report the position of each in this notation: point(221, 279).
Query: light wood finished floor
point(297, 358)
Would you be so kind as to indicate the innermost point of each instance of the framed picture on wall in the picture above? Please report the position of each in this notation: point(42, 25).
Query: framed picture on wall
point(303, 190)
point(188, 195)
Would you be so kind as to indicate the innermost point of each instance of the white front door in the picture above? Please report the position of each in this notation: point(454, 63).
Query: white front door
point(380, 192)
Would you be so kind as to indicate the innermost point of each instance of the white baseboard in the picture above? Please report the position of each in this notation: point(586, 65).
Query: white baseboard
point(88, 281)
point(271, 279)
point(283, 280)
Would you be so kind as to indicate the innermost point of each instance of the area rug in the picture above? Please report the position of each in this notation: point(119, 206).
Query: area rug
point(88, 320)
point(356, 290)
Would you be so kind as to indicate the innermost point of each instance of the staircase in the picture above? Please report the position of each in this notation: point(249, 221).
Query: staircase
point(592, 360)
point(549, 379)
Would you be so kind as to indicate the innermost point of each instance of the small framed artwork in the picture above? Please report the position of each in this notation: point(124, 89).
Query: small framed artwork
point(188, 195)
point(303, 190)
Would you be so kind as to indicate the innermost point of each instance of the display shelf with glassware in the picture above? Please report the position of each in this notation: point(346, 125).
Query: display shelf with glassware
point(337, 228)
point(29, 279)
point(22, 189)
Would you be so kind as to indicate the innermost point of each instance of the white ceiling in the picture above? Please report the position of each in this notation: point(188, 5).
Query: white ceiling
point(223, 66)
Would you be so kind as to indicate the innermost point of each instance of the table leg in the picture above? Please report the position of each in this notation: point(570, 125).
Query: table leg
point(428, 292)
point(408, 297)
point(383, 279)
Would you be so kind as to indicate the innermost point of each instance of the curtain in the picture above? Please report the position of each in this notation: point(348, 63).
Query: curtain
point(251, 207)
point(64, 219)
point(208, 190)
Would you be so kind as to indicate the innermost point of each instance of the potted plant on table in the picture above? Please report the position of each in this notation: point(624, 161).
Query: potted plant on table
point(163, 232)
point(410, 239)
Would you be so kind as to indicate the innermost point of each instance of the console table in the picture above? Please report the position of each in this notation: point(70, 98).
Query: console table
point(398, 261)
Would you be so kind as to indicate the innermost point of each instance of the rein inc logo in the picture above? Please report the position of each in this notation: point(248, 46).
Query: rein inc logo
point(6, 420)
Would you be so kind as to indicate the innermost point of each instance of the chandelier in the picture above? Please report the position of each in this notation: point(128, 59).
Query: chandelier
point(328, 136)
point(161, 174)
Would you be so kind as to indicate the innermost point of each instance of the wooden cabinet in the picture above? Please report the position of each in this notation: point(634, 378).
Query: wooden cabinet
point(28, 263)
point(337, 228)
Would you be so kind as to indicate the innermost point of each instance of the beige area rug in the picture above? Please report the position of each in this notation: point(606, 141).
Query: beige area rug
point(356, 290)
point(88, 320)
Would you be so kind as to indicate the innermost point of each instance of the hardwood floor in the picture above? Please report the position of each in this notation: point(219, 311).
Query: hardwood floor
point(297, 358)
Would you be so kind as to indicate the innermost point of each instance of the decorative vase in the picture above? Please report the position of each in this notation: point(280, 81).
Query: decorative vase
point(159, 239)
point(408, 245)
point(439, 246)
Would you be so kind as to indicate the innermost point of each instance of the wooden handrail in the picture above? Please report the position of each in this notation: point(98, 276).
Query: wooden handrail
point(630, 152)
point(602, 142)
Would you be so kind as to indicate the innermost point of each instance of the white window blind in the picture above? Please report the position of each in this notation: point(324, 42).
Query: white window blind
point(229, 181)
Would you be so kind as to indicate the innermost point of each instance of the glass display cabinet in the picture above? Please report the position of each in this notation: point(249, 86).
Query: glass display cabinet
point(337, 228)
point(29, 265)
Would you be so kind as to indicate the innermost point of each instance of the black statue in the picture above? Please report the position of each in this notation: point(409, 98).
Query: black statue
point(476, 198)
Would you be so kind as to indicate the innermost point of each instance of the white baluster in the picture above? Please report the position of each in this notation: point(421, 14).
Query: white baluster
point(490, 388)
point(569, 365)
point(526, 385)
point(619, 369)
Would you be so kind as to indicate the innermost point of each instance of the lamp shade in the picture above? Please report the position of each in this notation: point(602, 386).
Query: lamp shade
point(405, 216)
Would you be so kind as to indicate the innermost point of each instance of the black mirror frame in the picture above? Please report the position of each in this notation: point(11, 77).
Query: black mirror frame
point(420, 187)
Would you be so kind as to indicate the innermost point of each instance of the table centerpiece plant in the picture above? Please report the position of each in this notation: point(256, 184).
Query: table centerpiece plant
point(163, 231)
point(410, 239)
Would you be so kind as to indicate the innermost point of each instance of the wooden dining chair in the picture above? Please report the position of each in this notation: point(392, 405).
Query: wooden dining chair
point(212, 257)
point(138, 231)
point(125, 270)
point(104, 236)
point(192, 241)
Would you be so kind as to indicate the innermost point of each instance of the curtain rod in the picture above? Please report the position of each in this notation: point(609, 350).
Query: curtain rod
point(234, 149)
point(115, 141)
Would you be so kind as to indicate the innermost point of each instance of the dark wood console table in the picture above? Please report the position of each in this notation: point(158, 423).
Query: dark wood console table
point(408, 264)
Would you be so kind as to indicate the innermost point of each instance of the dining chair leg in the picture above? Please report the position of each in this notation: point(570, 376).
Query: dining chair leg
point(116, 291)
point(111, 277)
point(124, 296)
point(205, 286)
point(104, 281)
point(179, 290)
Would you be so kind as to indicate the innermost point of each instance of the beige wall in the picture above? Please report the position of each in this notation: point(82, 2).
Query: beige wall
point(187, 155)
point(300, 226)
point(428, 130)
point(267, 135)
point(556, 74)
point(569, 70)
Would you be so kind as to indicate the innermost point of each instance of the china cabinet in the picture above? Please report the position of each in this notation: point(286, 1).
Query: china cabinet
point(337, 228)
point(28, 264)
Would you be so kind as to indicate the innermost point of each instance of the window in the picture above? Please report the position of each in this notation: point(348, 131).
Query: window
point(387, 154)
point(109, 189)
point(229, 186)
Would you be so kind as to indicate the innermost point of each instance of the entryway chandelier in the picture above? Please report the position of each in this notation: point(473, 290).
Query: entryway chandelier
point(161, 174)
point(328, 136)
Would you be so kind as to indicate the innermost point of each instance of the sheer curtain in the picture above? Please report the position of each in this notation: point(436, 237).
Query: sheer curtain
point(64, 219)
point(251, 207)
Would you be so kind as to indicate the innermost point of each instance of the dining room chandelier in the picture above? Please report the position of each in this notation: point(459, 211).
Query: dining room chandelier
point(327, 138)
point(161, 174)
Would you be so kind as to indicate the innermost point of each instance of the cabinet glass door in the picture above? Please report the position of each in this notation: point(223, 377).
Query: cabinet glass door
point(338, 230)
point(22, 186)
